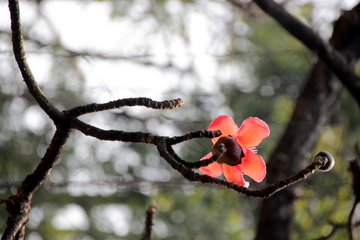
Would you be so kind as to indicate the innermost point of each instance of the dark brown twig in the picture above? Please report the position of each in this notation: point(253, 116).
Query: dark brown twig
point(114, 135)
point(164, 147)
point(19, 205)
point(149, 222)
point(136, 137)
point(129, 102)
point(19, 52)
point(192, 135)
point(198, 164)
point(262, 193)
point(307, 36)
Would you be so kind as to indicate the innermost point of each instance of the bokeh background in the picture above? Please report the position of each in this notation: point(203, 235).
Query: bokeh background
point(219, 59)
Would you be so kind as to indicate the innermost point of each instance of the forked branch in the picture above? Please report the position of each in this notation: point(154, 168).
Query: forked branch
point(19, 205)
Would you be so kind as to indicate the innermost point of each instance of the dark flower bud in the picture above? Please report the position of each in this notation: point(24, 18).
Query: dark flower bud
point(233, 154)
point(330, 161)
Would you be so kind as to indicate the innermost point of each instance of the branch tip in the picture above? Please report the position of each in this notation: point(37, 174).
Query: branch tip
point(326, 161)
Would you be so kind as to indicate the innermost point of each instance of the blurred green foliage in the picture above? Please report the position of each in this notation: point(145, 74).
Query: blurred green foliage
point(100, 190)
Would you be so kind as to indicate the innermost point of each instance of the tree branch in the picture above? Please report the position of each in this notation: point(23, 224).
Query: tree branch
point(192, 135)
point(262, 193)
point(198, 164)
point(129, 102)
point(336, 62)
point(149, 222)
point(114, 135)
point(19, 205)
point(351, 223)
point(19, 52)
point(316, 102)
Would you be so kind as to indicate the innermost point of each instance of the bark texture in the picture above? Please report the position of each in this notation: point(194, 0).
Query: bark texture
point(311, 113)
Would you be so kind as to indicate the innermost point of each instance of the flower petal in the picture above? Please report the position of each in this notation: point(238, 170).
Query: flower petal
point(225, 124)
point(214, 169)
point(253, 165)
point(234, 174)
point(251, 132)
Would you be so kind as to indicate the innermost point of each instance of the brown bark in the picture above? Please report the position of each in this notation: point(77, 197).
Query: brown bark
point(311, 113)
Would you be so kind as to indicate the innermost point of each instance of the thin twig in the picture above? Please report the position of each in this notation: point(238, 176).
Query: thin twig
point(19, 52)
point(149, 222)
point(351, 225)
point(19, 205)
point(130, 102)
point(136, 137)
point(262, 193)
point(198, 164)
point(192, 135)
point(114, 135)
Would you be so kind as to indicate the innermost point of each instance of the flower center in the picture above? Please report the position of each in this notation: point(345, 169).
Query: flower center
point(233, 154)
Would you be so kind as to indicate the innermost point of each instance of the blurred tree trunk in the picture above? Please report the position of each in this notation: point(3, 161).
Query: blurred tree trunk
point(311, 113)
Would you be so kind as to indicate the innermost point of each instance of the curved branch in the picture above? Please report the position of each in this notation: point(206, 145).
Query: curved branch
point(307, 36)
point(351, 223)
point(130, 102)
point(28, 77)
point(201, 163)
point(262, 193)
point(19, 205)
point(135, 137)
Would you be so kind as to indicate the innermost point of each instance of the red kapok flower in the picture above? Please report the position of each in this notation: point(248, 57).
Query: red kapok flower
point(252, 131)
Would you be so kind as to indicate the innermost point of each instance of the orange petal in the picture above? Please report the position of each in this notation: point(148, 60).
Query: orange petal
point(225, 124)
point(253, 165)
point(214, 169)
point(234, 174)
point(251, 132)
